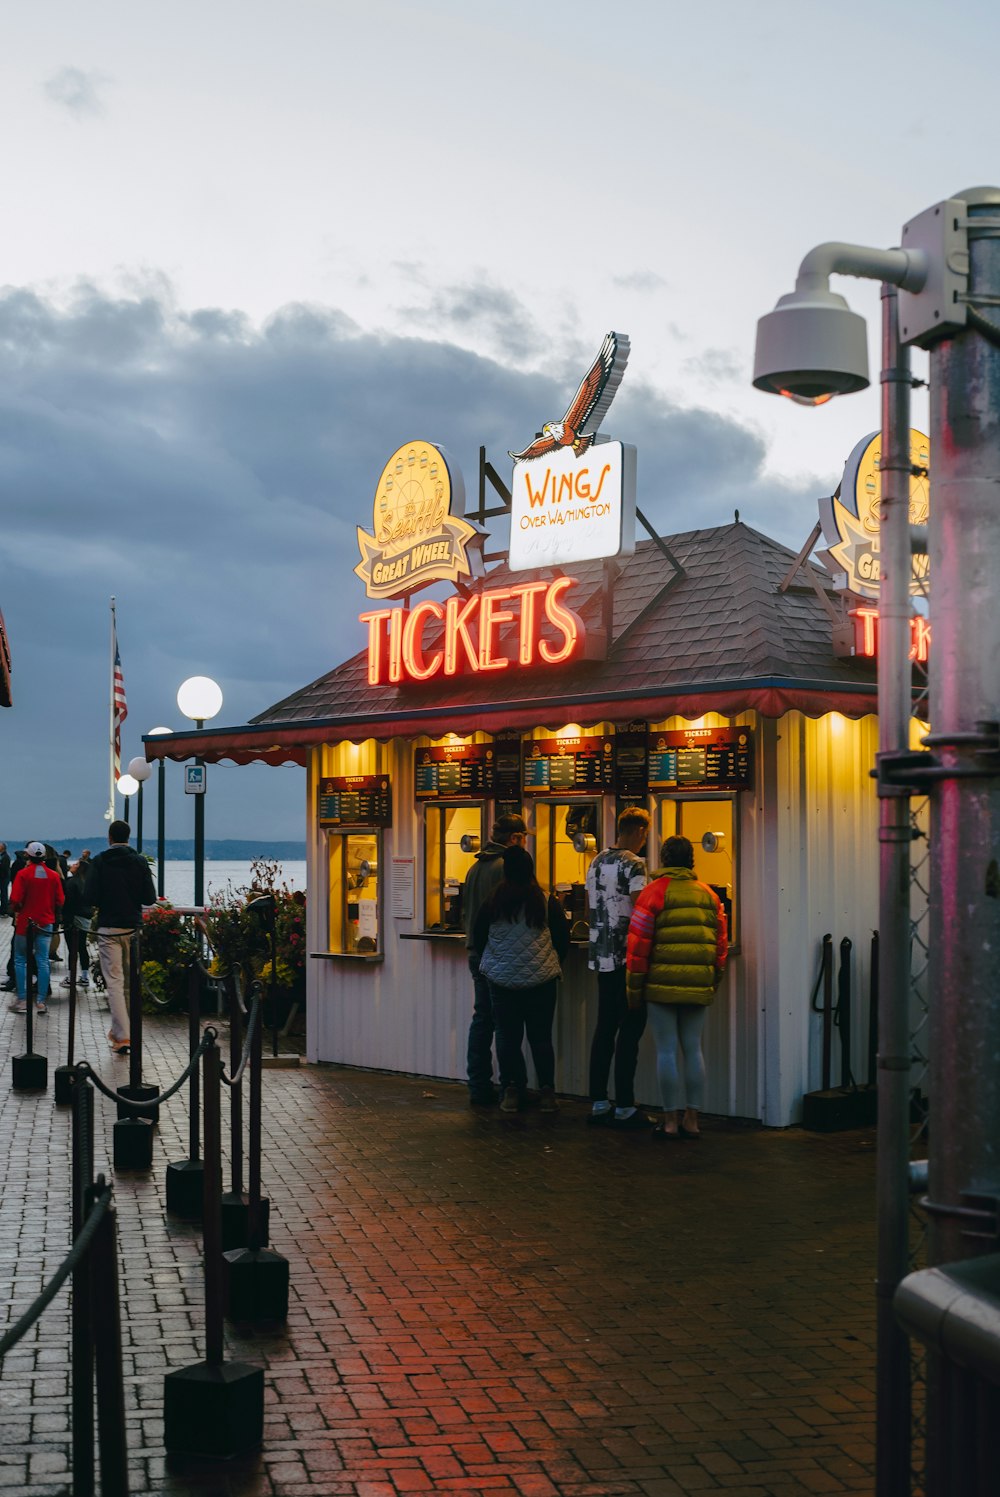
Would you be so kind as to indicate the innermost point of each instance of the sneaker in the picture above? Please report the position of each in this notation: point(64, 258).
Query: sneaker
point(40, 1008)
point(547, 1100)
point(120, 1049)
point(8, 987)
point(83, 982)
point(636, 1122)
point(66, 983)
point(600, 1119)
point(20, 1007)
point(511, 1100)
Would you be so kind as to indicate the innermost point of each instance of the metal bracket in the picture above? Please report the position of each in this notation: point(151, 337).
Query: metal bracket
point(912, 771)
point(982, 1214)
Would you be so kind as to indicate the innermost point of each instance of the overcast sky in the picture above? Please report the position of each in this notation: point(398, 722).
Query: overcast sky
point(250, 247)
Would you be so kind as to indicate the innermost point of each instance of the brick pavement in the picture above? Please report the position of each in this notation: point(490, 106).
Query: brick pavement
point(480, 1304)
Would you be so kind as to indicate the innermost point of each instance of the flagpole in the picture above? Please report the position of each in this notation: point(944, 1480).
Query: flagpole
point(109, 814)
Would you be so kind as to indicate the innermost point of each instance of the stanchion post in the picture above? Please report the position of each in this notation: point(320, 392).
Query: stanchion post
point(186, 1177)
point(236, 1202)
point(106, 1319)
point(213, 1408)
point(63, 1076)
point(133, 1132)
point(256, 1277)
point(30, 1072)
point(82, 1328)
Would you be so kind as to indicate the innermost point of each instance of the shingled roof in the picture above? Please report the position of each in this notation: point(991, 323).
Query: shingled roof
point(718, 635)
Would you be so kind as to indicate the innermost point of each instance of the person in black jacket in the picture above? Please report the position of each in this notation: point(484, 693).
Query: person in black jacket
point(77, 915)
point(118, 885)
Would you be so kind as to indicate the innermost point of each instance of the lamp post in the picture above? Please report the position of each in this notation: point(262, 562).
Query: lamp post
point(199, 697)
point(811, 347)
point(126, 785)
point(140, 770)
point(161, 801)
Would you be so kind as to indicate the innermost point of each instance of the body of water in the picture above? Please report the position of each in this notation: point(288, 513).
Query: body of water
point(178, 878)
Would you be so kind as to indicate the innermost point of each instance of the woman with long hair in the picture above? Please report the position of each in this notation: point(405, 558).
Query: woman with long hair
point(522, 938)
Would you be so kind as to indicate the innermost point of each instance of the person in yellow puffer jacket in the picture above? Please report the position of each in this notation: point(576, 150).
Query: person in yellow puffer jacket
point(675, 961)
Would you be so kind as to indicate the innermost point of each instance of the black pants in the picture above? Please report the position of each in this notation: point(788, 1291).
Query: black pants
point(615, 1021)
point(520, 1011)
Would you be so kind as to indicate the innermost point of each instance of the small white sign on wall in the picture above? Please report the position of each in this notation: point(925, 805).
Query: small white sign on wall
point(568, 507)
point(402, 888)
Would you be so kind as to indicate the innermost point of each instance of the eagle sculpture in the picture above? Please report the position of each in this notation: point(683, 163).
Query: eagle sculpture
point(589, 406)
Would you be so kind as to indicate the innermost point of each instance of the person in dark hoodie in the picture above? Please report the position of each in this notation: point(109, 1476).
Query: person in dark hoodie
point(480, 882)
point(119, 883)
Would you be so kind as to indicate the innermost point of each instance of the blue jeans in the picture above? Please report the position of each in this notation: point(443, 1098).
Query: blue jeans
point(43, 935)
point(680, 1024)
point(479, 1056)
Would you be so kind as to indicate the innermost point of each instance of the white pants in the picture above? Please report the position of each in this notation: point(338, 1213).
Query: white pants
point(113, 950)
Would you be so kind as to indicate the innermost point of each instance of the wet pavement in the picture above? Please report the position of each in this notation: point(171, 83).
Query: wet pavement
point(479, 1303)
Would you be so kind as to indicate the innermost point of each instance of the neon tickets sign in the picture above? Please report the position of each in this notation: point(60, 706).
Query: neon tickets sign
point(866, 632)
point(494, 630)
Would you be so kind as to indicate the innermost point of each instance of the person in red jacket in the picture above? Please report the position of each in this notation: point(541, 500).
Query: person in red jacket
point(35, 897)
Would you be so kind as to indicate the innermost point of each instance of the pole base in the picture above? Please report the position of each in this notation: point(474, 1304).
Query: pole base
point(236, 1220)
point(140, 1093)
point(186, 1189)
point(256, 1285)
point(132, 1144)
point(29, 1072)
point(62, 1078)
point(214, 1411)
point(280, 1062)
point(835, 1110)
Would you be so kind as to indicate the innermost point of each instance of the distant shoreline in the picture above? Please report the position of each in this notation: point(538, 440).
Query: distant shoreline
point(181, 850)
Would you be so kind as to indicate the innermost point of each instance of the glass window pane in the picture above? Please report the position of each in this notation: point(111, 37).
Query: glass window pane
point(447, 861)
point(354, 892)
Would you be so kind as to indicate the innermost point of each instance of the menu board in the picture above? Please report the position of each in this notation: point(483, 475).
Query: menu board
point(701, 758)
point(568, 766)
point(453, 770)
point(355, 800)
point(507, 770)
point(632, 762)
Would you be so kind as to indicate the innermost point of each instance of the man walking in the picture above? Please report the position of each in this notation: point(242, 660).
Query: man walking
point(35, 898)
point(480, 881)
point(615, 879)
point(119, 883)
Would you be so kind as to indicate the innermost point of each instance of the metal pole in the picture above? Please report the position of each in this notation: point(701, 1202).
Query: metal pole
point(892, 1458)
point(135, 1011)
point(964, 901)
point(108, 1357)
point(273, 932)
point(236, 1092)
point(212, 1212)
point(160, 832)
point(199, 838)
point(82, 1327)
point(194, 1025)
point(138, 819)
point(255, 1234)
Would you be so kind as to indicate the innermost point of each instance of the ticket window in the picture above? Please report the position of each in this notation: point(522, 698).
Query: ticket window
point(452, 837)
point(355, 888)
point(567, 836)
point(710, 826)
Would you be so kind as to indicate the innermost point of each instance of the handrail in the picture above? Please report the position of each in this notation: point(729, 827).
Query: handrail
point(42, 1301)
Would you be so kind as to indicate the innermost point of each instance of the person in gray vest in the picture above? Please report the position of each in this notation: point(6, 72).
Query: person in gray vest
point(480, 882)
point(521, 940)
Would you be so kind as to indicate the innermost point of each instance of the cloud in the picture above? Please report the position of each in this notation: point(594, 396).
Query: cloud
point(716, 366)
point(210, 473)
point(480, 310)
point(77, 91)
point(643, 281)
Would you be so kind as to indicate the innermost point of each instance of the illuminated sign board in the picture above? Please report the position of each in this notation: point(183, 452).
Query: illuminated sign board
point(568, 765)
point(448, 769)
point(418, 534)
point(354, 800)
point(568, 508)
point(852, 522)
point(865, 622)
point(493, 630)
point(572, 494)
point(706, 758)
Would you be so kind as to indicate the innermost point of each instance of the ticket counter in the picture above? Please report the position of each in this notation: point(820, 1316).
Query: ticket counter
point(453, 834)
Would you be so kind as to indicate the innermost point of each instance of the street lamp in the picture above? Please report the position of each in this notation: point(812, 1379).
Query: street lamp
point(126, 785)
point(810, 348)
point(140, 770)
point(199, 697)
point(161, 799)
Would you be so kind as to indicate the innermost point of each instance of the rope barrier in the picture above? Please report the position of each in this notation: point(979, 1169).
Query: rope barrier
point(252, 1021)
point(38, 1306)
point(86, 1069)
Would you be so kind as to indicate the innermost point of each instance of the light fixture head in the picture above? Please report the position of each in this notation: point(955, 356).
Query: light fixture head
point(127, 784)
point(156, 732)
point(199, 697)
point(139, 768)
point(812, 346)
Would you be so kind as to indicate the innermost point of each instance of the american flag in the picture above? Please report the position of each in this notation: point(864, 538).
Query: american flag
point(120, 708)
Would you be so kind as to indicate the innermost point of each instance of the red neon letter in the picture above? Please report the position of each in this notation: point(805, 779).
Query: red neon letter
point(920, 638)
point(376, 634)
point(490, 616)
point(414, 664)
point(565, 620)
point(396, 644)
point(869, 618)
point(527, 592)
point(456, 621)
